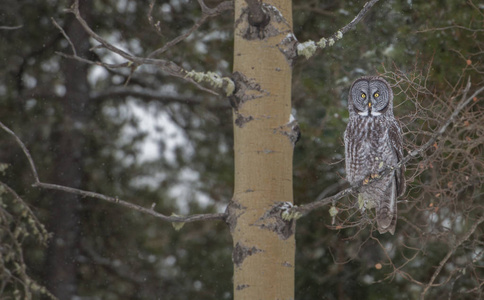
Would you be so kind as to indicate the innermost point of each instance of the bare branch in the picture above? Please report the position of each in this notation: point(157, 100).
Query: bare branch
point(308, 48)
point(449, 27)
point(65, 36)
point(24, 149)
point(150, 18)
point(115, 200)
point(206, 13)
point(179, 38)
point(11, 27)
point(359, 16)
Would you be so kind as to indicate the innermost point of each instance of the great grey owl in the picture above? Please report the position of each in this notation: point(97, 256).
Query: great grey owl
point(373, 141)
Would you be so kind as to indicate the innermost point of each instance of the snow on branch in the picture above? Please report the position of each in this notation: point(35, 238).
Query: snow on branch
point(308, 48)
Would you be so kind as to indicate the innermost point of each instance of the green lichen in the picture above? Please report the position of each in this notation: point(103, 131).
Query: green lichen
point(177, 225)
point(339, 35)
point(214, 80)
point(306, 49)
point(291, 214)
point(322, 43)
point(333, 211)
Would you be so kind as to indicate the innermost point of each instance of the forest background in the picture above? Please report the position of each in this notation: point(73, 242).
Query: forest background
point(154, 139)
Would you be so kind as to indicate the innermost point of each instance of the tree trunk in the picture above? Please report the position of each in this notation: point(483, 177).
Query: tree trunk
point(264, 244)
point(68, 145)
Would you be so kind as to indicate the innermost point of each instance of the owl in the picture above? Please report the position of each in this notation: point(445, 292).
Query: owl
point(373, 141)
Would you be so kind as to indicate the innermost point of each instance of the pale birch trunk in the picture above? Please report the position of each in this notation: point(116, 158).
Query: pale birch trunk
point(264, 244)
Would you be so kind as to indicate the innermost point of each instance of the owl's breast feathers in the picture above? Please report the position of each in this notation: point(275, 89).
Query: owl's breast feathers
point(371, 145)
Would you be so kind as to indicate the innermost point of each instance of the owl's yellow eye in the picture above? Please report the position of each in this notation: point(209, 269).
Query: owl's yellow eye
point(363, 95)
point(376, 95)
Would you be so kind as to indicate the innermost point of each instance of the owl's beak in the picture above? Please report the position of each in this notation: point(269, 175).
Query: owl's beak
point(369, 104)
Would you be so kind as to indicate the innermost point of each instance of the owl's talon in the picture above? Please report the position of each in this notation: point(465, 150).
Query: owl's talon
point(366, 180)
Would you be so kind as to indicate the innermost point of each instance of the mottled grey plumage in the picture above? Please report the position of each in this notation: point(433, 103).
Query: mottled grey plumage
point(373, 140)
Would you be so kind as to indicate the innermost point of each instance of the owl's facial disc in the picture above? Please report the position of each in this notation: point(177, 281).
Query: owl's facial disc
point(370, 97)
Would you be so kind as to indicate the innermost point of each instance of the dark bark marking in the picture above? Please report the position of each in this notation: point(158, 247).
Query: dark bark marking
point(240, 253)
point(242, 286)
point(245, 89)
point(260, 25)
point(272, 220)
point(291, 130)
point(240, 121)
point(257, 15)
point(286, 264)
point(288, 47)
point(234, 210)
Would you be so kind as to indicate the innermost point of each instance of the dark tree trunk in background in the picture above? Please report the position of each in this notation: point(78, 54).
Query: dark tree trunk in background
point(68, 144)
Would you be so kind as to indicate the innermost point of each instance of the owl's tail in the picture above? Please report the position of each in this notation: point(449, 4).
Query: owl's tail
point(386, 213)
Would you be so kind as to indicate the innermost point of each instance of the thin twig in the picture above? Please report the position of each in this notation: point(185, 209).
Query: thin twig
point(156, 25)
point(179, 38)
point(366, 8)
point(65, 36)
point(449, 27)
point(206, 13)
point(24, 149)
point(11, 27)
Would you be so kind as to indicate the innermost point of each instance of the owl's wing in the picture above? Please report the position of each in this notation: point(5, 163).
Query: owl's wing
point(396, 141)
point(350, 156)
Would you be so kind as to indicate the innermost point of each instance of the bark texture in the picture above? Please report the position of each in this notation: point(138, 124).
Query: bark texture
point(264, 244)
